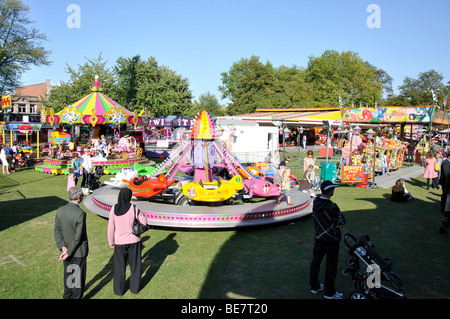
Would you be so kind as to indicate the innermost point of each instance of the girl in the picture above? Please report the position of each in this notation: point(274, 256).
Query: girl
point(399, 192)
point(430, 173)
point(385, 164)
point(71, 179)
point(5, 164)
point(309, 160)
point(76, 167)
point(286, 187)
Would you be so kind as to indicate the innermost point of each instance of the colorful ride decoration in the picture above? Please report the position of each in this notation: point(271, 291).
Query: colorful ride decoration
point(145, 187)
point(216, 191)
point(93, 109)
point(126, 148)
point(389, 114)
point(208, 156)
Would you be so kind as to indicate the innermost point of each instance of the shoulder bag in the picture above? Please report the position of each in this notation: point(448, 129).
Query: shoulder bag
point(138, 228)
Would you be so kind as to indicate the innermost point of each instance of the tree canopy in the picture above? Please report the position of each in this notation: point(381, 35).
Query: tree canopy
point(131, 82)
point(20, 44)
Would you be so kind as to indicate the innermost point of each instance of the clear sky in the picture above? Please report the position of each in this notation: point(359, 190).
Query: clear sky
point(199, 39)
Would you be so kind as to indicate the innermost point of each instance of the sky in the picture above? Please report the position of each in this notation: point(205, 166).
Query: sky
point(201, 39)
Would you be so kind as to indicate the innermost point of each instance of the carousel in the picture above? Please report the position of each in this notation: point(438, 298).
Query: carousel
point(94, 110)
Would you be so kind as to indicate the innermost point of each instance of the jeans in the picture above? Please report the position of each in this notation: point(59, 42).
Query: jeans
point(331, 250)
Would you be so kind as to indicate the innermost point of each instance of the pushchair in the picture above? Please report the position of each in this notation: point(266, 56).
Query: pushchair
point(377, 279)
point(94, 181)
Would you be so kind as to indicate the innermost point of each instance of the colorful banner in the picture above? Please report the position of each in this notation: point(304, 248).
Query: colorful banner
point(352, 174)
point(23, 126)
point(6, 101)
point(388, 114)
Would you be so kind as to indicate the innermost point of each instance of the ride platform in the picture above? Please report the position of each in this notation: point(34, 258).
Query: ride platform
point(256, 213)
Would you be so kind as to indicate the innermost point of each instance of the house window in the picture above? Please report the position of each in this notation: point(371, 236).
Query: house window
point(33, 108)
point(22, 108)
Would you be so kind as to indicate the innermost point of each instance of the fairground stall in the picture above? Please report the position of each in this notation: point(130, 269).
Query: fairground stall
point(365, 152)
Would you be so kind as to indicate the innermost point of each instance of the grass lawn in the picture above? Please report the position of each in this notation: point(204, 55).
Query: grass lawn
point(267, 262)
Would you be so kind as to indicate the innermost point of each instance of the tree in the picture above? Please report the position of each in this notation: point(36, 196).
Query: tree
point(248, 85)
point(209, 103)
point(127, 81)
point(20, 44)
point(417, 92)
point(80, 82)
point(346, 74)
point(161, 90)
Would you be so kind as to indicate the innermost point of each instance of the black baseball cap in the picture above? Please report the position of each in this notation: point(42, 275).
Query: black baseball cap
point(326, 185)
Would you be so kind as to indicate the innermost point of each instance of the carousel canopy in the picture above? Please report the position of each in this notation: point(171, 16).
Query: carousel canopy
point(95, 108)
point(204, 127)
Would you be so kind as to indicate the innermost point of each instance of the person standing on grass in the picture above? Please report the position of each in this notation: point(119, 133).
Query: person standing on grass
point(445, 169)
point(86, 163)
point(327, 237)
point(430, 174)
point(4, 160)
point(127, 246)
point(71, 239)
point(285, 187)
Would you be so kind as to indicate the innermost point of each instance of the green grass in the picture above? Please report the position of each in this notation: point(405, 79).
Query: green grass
point(264, 262)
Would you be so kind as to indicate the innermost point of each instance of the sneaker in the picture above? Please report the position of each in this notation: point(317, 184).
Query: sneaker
point(317, 290)
point(290, 204)
point(337, 295)
point(278, 201)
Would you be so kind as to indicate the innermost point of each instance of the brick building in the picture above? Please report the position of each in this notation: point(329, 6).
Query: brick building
point(27, 102)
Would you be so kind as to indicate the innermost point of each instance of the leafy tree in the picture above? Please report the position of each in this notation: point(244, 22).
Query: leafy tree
point(161, 90)
point(248, 85)
point(126, 74)
point(80, 82)
point(20, 44)
point(346, 74)
point(209, 103)
point(417, 92)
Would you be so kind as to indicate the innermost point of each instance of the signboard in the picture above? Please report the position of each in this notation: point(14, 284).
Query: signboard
point(413, 114)
point(23, 126)
point(352, 174)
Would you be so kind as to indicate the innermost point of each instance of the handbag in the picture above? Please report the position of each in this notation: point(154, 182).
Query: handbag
point(138, 228)
point(437, 167)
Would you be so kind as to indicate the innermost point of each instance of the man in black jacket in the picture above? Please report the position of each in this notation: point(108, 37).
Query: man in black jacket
point(445, 170)
point(71, 239)
point(327, 236)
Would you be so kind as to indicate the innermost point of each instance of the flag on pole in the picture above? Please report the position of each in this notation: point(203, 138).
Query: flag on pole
point(6, 101)
point(434, 97)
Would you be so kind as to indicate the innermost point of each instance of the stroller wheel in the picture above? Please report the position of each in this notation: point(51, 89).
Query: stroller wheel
point(358, 295)
point(350, 261)
point(345, 272)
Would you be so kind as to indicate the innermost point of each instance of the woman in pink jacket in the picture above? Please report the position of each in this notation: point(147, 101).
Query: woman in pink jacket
point(430, 172)
point(127, 247)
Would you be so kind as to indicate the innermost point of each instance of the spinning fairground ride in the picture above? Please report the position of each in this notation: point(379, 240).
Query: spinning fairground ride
point(203, 185)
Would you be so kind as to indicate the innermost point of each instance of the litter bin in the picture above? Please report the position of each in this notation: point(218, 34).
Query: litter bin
point(328, 171)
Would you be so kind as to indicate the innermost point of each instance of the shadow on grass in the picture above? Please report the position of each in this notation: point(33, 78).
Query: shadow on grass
point(152, 260)
point(15, 212)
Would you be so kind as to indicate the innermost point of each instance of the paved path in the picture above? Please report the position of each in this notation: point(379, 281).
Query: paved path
point(406, 172)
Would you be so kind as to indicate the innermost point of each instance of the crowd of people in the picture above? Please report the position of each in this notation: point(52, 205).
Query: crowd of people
point(12, 156)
